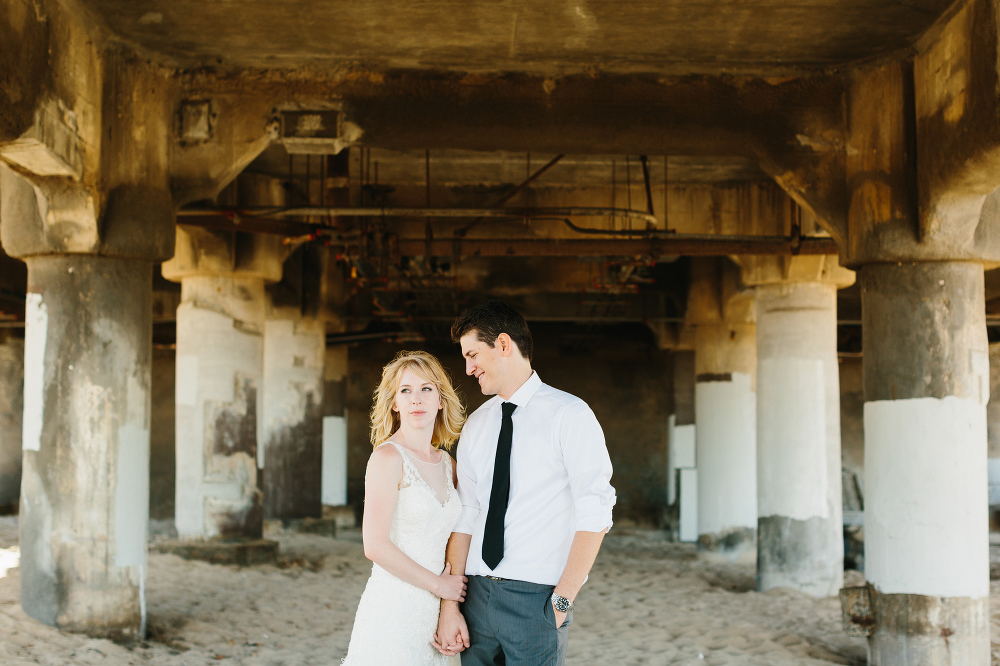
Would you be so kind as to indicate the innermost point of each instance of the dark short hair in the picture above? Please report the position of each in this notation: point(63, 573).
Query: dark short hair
point(489, 320)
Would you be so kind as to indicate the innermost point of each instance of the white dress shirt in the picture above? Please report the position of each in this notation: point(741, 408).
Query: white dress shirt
point(560, 481)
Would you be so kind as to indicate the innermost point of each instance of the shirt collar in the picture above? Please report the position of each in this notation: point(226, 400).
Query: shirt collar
point(528, 388)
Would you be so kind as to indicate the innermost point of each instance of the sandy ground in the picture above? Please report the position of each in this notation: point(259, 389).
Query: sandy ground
point(647, 602)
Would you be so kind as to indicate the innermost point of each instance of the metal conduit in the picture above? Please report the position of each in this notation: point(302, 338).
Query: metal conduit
point(510, 213)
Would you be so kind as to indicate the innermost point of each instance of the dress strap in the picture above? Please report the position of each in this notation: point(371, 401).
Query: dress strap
point(410, 472)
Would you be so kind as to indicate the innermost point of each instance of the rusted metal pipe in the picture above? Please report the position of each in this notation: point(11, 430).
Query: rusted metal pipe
point(511, 213)
point(673, 245)
point(462, 232)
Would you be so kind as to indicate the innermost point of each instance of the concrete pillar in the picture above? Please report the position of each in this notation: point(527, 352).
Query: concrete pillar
point(291, 456)
point(725, 430)
point(725, 366)
point(993, 430)
point(220, 365)
point(85, 431)
point(681, 422)
point(926, 370)
point(335, 431)
point(85, 483)
point(11, 411)
point(799, 503)
point(799, 499)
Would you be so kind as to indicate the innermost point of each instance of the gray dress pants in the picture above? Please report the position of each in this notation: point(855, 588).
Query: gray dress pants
point(511, 623)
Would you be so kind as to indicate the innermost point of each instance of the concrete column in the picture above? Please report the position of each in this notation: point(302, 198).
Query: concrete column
point(11, 410)
point(993, 430)
point(335, 431)
point(799, 503)
point(220, 365)
point(926, 369)
point(680, 453)
point(291, 456)
point(85, 484)
point(725, 366)
point(725, 425)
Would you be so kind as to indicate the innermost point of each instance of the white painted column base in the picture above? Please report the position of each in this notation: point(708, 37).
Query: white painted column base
point(726, 417)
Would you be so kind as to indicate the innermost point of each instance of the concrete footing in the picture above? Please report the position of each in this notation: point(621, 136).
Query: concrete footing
point(85, 488)
point(799, 528)
point(725, 426)
point(241, 552)
point(926, 388)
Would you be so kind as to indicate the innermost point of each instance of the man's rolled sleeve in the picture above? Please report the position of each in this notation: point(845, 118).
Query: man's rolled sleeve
point(466, 492)
point(589, 467)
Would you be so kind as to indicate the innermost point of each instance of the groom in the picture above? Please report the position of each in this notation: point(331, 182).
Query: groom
point(534, 479)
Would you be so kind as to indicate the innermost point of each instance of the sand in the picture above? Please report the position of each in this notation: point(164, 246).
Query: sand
point(647, 602)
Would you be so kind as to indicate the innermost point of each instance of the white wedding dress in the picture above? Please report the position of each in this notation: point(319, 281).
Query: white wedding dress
point(396, 621)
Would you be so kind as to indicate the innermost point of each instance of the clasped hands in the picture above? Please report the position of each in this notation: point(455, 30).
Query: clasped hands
point(452, 635)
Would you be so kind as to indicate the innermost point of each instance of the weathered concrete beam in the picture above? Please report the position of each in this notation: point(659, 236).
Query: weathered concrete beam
point(24, 72)
point(792, 126)
point(956, 89)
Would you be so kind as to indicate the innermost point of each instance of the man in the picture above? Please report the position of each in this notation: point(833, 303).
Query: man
point(534, 479)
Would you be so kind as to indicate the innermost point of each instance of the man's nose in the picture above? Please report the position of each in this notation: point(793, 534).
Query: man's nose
point(469, 367)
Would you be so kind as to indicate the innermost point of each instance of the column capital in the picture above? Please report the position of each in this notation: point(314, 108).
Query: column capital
point(763, 270)
point(88, 173)
point(203, 252)
point(716, 295)
point(51, 215)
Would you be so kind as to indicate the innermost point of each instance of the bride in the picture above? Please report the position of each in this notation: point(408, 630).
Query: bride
point(410, 508)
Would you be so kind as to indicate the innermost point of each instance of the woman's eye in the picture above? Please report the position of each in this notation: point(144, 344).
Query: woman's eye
point(427, 388)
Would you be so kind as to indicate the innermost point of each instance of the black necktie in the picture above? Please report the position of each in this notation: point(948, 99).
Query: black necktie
point(500, 493)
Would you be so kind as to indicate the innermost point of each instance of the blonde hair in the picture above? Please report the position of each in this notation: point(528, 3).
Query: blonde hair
point(385, 421)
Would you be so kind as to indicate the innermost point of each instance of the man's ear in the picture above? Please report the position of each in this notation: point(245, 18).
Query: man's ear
point(505, 344)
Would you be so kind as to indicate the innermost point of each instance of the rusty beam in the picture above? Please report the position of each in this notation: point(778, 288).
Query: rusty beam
point(653, 247)
point(706, 245)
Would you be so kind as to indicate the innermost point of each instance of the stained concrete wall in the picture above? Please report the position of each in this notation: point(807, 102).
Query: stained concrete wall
point(617, 370)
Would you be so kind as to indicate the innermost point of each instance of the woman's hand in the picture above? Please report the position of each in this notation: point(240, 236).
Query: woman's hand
point(451, 587)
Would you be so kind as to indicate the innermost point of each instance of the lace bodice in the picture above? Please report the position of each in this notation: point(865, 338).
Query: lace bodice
point(422, 523)
point(395, 620)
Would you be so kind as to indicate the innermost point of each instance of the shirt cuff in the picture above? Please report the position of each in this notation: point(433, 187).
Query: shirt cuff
point(467, 521)
point(593, 513)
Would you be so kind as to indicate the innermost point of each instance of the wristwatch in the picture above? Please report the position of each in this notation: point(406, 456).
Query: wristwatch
point(561, 604)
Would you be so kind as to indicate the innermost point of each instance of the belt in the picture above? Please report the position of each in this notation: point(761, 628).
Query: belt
point(494, 578)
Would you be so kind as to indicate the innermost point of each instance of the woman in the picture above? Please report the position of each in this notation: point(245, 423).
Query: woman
point(411, 507)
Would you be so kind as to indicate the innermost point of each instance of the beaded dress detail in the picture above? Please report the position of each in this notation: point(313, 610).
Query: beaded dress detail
point(396, 621)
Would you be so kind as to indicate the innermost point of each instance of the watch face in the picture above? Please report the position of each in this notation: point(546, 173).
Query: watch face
point(561, 603)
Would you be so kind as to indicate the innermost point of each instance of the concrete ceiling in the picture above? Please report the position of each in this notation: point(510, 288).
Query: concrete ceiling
point(545, 37)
